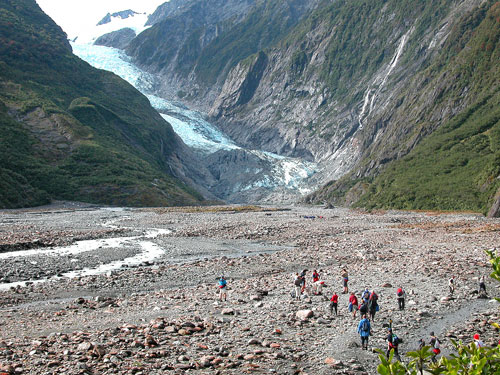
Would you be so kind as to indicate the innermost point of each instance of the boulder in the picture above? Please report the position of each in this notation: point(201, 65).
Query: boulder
point(304, 314)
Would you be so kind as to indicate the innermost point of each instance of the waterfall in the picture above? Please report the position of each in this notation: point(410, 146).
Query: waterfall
point(374, 89)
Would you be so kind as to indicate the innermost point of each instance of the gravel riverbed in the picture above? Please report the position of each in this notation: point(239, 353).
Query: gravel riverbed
point(139, 295)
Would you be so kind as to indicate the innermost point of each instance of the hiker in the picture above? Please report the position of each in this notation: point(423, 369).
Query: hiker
point(482, 286)
point(400, 293)
point(392, 344)
point(421, 344)
point(353, 305)
point(334, 303)
point(364, 331)
point(479, 343)
point(303, 279)
point(345, 279)
point(317, 284)
point(297, 282)
point(366, 295)
point(373, 304)
point(451, 285)
point(435, 344)
point(222, 288)
point(363, 308)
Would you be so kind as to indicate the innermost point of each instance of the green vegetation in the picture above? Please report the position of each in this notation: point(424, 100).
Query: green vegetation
point(359, 33)
point(73, 132)
point(455, 167)
point(452, 169)
point(468, 359)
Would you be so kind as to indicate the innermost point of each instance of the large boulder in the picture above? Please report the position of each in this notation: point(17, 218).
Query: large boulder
point(304, 314)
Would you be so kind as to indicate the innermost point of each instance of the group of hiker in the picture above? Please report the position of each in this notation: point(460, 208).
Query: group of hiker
point(299, 283)
point(367, 305)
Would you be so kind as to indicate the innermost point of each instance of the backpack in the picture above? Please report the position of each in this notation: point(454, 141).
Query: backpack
point(363, 309)
point(374, 297)
point(436, 343)
point(298, 282)
point(365, 326)
point(400, 292)
point(395, 340)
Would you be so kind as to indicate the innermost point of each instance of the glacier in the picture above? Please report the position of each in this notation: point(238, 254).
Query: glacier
point(292, 174)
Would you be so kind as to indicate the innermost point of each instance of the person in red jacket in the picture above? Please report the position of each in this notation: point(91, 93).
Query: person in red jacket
point(400, 293)
point(315, 276)
point(317, 285)
point(334, 303)
point(353, 304)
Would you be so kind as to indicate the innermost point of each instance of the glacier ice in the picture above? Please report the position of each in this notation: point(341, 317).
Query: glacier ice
point(194, 130)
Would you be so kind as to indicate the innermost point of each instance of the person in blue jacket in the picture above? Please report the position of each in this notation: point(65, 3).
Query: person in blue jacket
point(222, 288)
point(364, 331)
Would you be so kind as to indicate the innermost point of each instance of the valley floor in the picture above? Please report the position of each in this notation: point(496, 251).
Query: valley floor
point(162, 315)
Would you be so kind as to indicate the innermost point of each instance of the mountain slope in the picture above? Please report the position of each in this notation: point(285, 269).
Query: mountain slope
point(357, 85)
point(206, 39)
point(70, 131)
point(458, 165)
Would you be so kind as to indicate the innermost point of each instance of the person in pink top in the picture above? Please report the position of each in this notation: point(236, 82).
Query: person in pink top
point(353, 304)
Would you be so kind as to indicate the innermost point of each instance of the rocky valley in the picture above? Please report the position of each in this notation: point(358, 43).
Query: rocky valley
point(81, 312)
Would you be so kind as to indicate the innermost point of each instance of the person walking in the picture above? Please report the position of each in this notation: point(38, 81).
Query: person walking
point(345, 279)
point(366, 295)
point(303, 280)
point(334, 303)
point(317, 285)
point(222, 288)
point(451, 285)
point(353, 305)
point(482, 286)
point(363, 308)
point(373, 305)
point(477, 341)
point(401, 294)
point(435, 345)
point(392, 344)
point(364, 329)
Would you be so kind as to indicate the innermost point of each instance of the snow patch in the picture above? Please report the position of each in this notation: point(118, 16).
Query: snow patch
point(135, 22)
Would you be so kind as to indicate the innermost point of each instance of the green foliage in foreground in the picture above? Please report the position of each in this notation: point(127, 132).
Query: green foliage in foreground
point(468, 359)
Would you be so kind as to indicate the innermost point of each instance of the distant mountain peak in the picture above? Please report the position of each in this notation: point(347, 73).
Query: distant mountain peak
point(124, 14)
